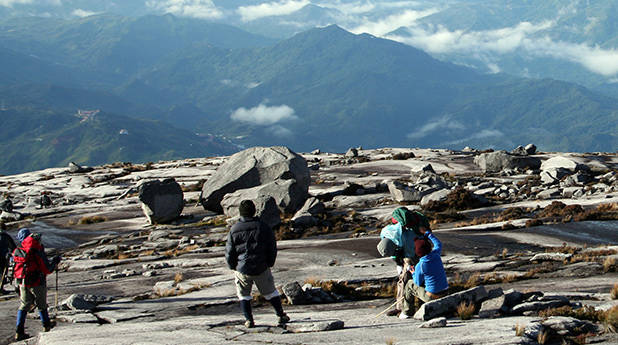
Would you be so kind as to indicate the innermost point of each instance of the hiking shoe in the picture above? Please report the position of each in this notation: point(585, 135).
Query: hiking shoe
point(21, 336)
point(404, 316)
point(49, 326)
point(249, 324)
point(393, 312)
point(283, 319)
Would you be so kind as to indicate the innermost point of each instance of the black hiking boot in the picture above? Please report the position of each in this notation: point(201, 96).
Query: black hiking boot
point(49, 326)
point(21, 336)
point(283, 319)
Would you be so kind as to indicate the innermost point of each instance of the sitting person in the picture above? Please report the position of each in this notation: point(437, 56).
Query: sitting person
point(428, 276)
point(398, 240)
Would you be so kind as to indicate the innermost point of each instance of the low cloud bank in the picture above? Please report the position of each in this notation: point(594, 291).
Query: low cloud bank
point(204, 9)
point(263, 114)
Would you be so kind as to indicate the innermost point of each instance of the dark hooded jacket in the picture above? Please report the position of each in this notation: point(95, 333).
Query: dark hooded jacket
point(251, 246)
point(7, 245)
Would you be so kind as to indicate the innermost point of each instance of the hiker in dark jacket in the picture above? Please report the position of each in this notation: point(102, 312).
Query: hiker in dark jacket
point(7, 245)
point(251, 251)
point(31, 269)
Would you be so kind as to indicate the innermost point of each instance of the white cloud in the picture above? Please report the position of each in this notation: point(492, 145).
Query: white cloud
point(351, 7)
point(442, 40)
point(523, 37)
point(269, 9)
point(444, 123)
point(10, 3)
point(385, 25)
point(82, 13)
point(280, 131)
point(595, 59)
point(204, 9)
point(263, 114)
point(485, 133)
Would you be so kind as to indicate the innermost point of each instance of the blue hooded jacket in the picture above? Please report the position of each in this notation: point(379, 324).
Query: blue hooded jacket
point(429, 271)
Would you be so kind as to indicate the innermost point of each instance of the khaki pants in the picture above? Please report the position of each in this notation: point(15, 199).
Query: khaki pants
point(264, 282)
point(404, 277)
point(412, 290)
point(36, 295)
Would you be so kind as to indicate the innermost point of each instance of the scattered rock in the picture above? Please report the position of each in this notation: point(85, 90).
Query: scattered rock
point(74, 168)
point(352, 152)
point(404, 193)
point(319, 326)
point(294, 293)
point(500, 160)
point(444, 305)
point(162, 201)
point(77, 302)
point(493, 307)
point(434, 323)
point(551, 257)
point(563, 162)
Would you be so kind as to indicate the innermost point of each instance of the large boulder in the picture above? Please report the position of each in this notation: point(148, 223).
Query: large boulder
point(402, 192)
point(265, 206)
point(563, 162)
point(254, 167)
point(162, 201)
point(500, 160)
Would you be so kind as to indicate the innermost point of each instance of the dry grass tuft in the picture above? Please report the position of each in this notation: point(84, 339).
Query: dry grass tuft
point(543, 337)
point(611, 320)
point(519, 330)
point(614, 292)
point(609, 265)
point(390, 341)
point(459, 199)
point(178, 277)
point(465, 310)
point(195, 187)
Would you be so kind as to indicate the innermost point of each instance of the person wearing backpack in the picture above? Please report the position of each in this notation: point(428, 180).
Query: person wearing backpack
point(30, 271)
point(251, 251)
point(399, 240)
point(7, 245)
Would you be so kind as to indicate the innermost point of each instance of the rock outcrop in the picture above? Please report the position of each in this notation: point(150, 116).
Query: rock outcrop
point(493, 162)
point(162, 201)
point(259, 166)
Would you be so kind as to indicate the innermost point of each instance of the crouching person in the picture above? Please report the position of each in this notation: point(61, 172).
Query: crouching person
point(31, 269)
point(428, 276)
point(251, 251)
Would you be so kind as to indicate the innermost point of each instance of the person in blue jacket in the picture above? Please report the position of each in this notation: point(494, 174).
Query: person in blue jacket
point(399, 240)
point(428, 277)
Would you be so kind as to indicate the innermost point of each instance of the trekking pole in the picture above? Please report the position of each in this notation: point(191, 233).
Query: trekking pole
point(390, 306)
point(6, 269)
point(56, 287)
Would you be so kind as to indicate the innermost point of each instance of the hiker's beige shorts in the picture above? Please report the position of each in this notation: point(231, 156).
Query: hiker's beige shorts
point(264, 282)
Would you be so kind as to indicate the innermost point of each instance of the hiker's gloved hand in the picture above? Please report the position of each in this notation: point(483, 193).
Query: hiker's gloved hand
point(56, 260)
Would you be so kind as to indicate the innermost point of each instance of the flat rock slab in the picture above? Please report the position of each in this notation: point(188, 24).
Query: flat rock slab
point(114, 316)
point(78, 318)
point(314, 326)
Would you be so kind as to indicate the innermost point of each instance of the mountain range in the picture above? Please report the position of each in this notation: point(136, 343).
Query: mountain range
point(323, 88)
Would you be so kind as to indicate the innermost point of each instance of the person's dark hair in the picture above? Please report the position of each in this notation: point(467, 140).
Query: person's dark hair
point(246, 208)
point(422, 247)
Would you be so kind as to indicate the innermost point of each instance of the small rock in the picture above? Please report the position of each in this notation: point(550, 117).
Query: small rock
point(434, 323)
point(321, 326)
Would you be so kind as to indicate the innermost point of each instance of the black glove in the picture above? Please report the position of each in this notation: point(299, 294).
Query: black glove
point(56, 260)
